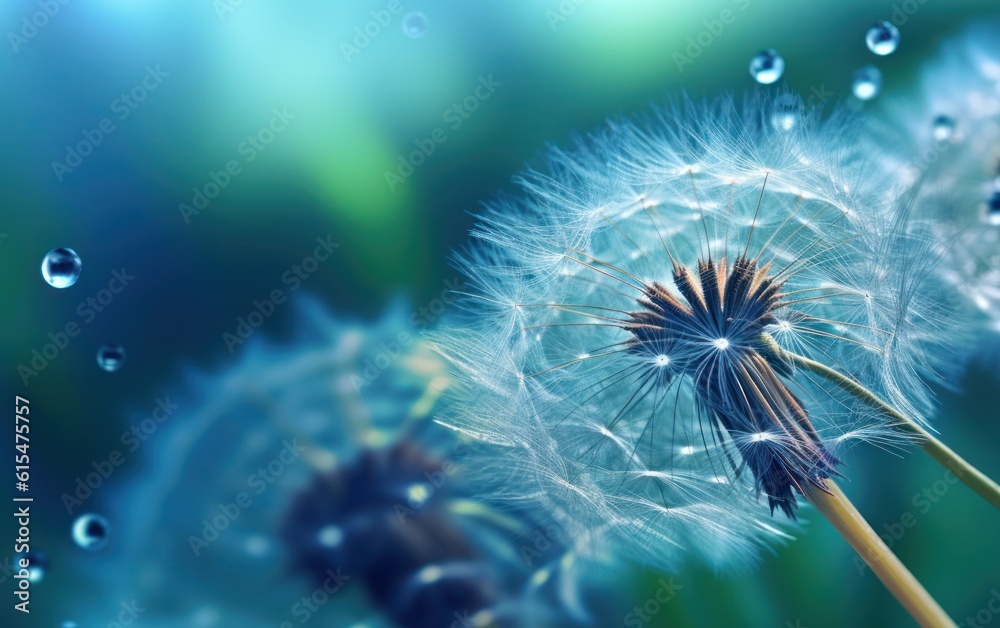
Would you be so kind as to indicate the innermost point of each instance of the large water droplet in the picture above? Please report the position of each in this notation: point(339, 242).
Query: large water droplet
point(943, 128)
point(882, 38)
point(867, 82)
point(61, 267)
point(90, 531)
point(38, 565)
point(786, 111)
point(767, 67)
point(111, 357)
point(415, 24)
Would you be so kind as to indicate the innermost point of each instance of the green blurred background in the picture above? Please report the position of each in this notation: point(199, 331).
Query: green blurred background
point(562, 67)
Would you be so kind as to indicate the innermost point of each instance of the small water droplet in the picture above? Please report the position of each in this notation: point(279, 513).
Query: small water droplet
point(786, 111)
point(415, 24)
point(944, 128)
point(111, 357)
point(767, 67)
point(882, 38)
point(867, 82)
point(993, 209)
point(61, 267)
point(90, 531)
point(38, 565)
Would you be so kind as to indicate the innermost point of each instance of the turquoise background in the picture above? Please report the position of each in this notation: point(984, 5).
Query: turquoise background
point(562, 67)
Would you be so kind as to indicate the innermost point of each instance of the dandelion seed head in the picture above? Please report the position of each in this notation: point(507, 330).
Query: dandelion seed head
point(322, 457)
point(685, 426)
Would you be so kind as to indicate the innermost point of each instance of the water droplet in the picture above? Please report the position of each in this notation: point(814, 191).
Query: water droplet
point(882, 38)
point(993, 209)
point(38, 565)
point(867, 82)
point(61, 267)
point(415, 24)
point(767, 67)
point(786, 111)
point(944, 128)
point(90, 531)
point(111, 357)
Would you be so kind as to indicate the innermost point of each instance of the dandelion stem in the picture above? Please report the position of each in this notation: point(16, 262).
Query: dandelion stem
point(968, 474)
point(840, 512)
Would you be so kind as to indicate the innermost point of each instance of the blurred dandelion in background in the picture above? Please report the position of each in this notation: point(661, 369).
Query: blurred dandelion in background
point(951, 121)
point(310, 481)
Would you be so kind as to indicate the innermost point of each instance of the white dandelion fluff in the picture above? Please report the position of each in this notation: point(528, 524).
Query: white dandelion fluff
point(645, 324)
point(952, 127)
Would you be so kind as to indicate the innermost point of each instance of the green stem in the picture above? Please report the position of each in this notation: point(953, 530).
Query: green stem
point(968, 474)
